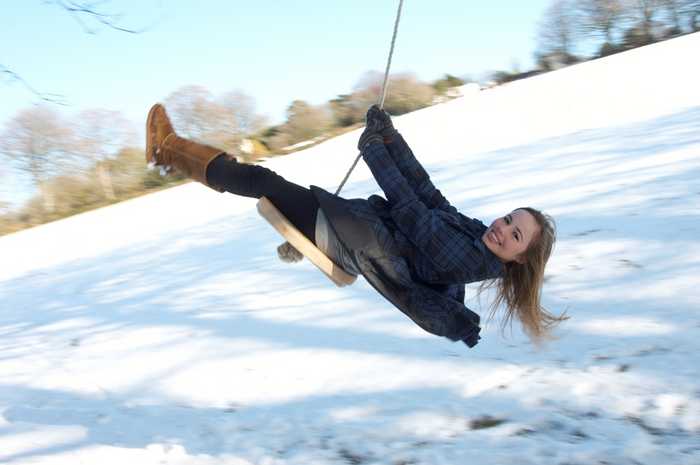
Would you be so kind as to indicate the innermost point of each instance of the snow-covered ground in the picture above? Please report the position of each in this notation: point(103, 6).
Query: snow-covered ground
point(165, 330)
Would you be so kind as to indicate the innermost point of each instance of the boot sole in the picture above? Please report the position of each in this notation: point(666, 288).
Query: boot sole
point(150, 135)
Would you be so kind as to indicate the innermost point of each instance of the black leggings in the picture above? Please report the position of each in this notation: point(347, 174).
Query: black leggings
point(297, 203)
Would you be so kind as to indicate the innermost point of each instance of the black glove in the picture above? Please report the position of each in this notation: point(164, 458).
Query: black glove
point(375, 127)
point(369, 137)
point(380, 119)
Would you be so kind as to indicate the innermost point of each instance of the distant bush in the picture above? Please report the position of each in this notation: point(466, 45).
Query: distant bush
point(304, 122)
point(346, 110)
point(404, 94)
point(278, 140)
point(407, 94)
point(75, 193)
point(608, 49)
point(635, 37)
point(442, 85)
point(502, 77)
point(253, 149)
point(555, 60)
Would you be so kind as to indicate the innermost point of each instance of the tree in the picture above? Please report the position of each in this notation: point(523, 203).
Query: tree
point(102, 134)
point(366, 92)
point(32, 156)
point(442, 85)
point(691, 9)
point(40, 142)
point(556, 35)
point(600, 17)
point(370, 81)
point(219, 121)
point(673, 10)
point(642, 13)
point(196, 114)
point(406, 94)
point(306, 121)
point(128, 175)
point(242, 107)
point(344, 110)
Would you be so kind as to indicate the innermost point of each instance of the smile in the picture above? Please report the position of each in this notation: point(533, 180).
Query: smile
point(493, 237)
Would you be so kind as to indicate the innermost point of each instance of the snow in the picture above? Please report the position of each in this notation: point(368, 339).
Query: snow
point(165, 330)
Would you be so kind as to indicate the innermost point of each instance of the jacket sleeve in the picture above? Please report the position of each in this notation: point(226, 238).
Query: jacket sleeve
point(435, 232)
point(416, 175)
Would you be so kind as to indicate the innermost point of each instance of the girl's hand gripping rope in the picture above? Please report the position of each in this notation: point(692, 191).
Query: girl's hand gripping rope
point(378, 127)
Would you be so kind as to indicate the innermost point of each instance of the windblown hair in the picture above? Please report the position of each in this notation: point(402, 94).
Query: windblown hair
point(520, 287)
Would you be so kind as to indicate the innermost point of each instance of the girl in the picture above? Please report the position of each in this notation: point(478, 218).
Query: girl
point(413, 247)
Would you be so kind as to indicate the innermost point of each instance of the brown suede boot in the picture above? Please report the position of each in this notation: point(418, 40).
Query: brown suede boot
point(158, 127)
point(165, 148)
point(190, 158)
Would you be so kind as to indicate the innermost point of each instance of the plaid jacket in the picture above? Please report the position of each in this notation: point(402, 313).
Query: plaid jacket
point(448, 244)
point(415, 248)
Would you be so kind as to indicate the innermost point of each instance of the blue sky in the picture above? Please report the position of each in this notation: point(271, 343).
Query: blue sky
point(275, 51)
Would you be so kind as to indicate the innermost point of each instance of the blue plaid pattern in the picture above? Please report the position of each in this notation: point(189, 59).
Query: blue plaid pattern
point(447, 245)
point(415, 248)
point(415, 175)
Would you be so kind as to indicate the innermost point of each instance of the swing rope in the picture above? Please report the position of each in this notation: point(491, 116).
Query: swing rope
point(384, 89)
point(289, 252)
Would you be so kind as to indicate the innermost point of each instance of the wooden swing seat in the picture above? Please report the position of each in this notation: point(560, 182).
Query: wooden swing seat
point(283, 226)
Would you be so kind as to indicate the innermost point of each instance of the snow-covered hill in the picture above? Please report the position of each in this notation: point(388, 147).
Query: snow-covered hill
point(165, 330)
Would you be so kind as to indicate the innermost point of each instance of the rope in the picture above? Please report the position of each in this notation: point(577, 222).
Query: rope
point(384, 89)
point(391, 54)
point(286, 251)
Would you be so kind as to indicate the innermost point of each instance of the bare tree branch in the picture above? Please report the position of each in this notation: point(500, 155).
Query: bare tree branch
point(600, 17)
point(557, 34)
point(78, 10)
point(11, 76)
point(643, 12)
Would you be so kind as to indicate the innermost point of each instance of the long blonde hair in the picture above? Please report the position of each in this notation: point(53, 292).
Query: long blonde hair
point(520, 287)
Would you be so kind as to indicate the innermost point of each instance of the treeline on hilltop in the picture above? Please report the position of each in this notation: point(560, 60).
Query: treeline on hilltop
point(96, 157)
point(572, 31)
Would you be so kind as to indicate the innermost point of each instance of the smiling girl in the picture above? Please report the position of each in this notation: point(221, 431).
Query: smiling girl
point(413, 247)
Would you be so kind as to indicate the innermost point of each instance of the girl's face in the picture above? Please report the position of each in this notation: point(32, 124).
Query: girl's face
point(509, 236)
